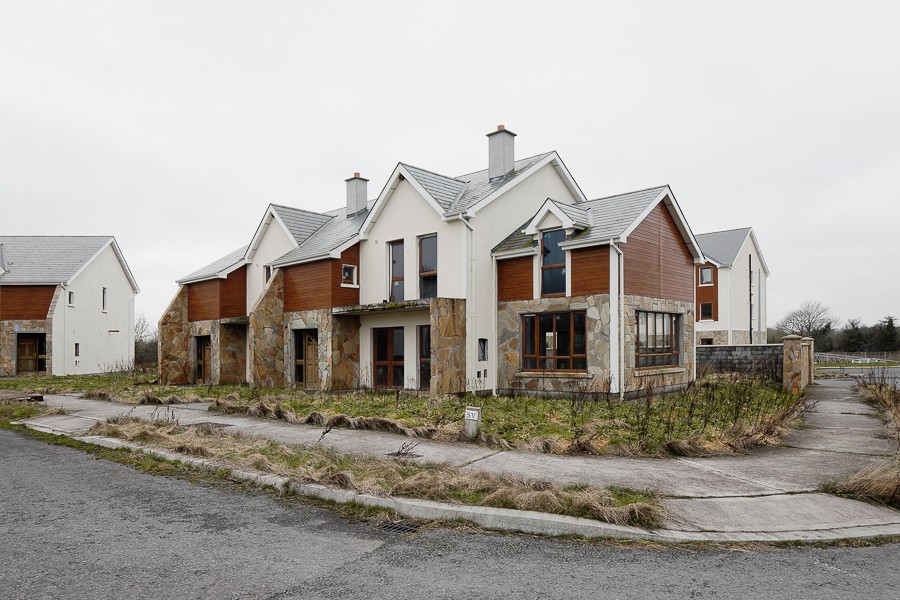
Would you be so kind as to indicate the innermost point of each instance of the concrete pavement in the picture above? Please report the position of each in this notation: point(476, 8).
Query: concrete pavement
point(768, 494)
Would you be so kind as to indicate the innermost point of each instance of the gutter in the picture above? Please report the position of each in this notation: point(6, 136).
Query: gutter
point(621, 317)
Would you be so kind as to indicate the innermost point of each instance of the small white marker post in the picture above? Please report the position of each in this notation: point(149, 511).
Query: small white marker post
point(473, 421)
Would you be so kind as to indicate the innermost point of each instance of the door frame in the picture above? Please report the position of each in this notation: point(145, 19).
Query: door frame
point(301, 339)
point(40, 339)
point(203, 359)
point(390, 363)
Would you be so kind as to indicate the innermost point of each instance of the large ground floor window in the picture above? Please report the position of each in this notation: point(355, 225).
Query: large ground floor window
point(554, 342)
point(424, 357)
point(388, 356)
point(658, 337)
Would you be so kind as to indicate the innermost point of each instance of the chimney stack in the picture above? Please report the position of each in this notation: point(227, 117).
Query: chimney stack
point(501, 152)
point(357, 195)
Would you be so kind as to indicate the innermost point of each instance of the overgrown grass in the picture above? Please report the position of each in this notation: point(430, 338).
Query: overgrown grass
point(15, 410)
point(721, 413)
point(880, 483)
point(389, 477)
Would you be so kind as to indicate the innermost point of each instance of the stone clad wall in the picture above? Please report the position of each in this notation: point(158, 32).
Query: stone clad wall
point(173, 351)
point(718, 336)
point(266, 332)
point(448, 346)
point(8, 342)
point(509, 324)
point(338, 350)
point(662, 378)
point(232, 359)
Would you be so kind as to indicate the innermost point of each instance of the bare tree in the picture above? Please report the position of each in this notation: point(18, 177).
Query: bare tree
point(813, 319)
point(145, 340)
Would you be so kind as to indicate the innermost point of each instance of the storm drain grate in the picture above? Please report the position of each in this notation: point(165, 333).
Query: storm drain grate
point(400, 527)
point(210, 424)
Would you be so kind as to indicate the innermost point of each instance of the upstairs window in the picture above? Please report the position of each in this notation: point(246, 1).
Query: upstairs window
point(71, 298)
point(428, 266)
point(267, 274)
point(706, 276)
point(396, 282)
point(104, 300)
point(553, 263)
point(706, 311)
point(348, 275)
point(658, 340)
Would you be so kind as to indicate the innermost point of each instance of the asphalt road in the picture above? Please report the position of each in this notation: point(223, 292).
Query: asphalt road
point(72, 526)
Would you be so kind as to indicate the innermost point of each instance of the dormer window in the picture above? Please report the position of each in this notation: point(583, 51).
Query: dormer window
point(553, 263)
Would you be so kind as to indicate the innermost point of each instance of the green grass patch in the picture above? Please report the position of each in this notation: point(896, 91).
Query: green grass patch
point(859, 365)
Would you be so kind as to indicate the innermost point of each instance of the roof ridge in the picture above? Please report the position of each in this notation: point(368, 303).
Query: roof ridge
point(654, 187)
point(312, 212)
point(725, 231)
point(541, 154)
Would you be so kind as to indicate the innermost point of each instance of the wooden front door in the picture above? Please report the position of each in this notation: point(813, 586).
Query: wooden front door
point(388, 357)
point(31, 353)
point(306, 358)
point(204, 359)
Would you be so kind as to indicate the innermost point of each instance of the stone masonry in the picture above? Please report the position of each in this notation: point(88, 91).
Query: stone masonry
point(338, 347)
point(719, 337)
point(232, 354)
point(266, 332)
point(448, 346)
point(9, 331)
point(765, 359)
point(174, 341)
point(509, 324)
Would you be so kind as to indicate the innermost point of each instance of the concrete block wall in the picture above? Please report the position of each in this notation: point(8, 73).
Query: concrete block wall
point(762, 359)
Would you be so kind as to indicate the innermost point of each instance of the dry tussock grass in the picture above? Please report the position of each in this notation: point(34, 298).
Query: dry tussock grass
point(386, 477)
point(880, 484)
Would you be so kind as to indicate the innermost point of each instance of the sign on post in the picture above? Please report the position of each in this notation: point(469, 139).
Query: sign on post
point(473, 421)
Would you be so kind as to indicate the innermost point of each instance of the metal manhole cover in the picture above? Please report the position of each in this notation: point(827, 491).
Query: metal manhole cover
point(400, 527)
point(210, 424)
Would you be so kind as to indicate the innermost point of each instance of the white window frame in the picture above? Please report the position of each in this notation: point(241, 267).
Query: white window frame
point(700, 277)
point(355, 283)
point(103, 300)
point(71, 298)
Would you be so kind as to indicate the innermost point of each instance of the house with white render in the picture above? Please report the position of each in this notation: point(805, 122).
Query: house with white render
point(507, 278)
point(66, 305)
point(731, 289)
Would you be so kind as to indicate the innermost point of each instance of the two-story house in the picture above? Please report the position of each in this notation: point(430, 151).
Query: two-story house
point(66, 306)
point(412, 289)
point(731, 289)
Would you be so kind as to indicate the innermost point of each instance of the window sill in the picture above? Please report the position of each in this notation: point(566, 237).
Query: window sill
point(654, 371)
point(554, 374)
point(350, 285)
point(706, 285)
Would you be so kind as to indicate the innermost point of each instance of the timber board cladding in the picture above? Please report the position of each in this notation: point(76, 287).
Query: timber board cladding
point(515, 279)
point(203, 300)
point(657, 260)
point(218, 298)
point(590, 271)
point(316, 285)
point(708, 293)
point(233, 294)
point(25, 302)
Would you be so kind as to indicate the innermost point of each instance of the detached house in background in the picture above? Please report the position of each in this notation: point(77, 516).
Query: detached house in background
point(66, 306)
point(731, 289)
point(503, 279)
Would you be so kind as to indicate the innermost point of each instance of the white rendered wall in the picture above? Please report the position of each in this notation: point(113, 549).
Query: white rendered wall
point(492, 224)
point(410, 322)
point(273, 244)
point(105, 339)
point(740, 280)
point(407, 216)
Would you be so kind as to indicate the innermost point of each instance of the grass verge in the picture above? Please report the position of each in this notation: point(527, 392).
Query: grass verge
point(398, 477)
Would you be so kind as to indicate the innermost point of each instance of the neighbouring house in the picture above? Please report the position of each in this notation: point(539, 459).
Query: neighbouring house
point(503, 279)
point(66, 305)
point(731, 289)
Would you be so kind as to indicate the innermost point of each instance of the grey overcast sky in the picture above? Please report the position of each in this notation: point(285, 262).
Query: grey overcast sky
point(172, 125)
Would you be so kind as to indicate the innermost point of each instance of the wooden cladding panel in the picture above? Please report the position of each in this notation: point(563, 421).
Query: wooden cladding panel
point(590, 271)
point(233, 294)
point(25, 302)
point(657, 260)
point(345, 296)
point(315, 285)
point(708, 293)
point(515, 279)
point(203, 300)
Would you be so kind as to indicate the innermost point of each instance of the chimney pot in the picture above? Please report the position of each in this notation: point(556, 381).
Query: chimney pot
point(356, 174)
point(501, 127)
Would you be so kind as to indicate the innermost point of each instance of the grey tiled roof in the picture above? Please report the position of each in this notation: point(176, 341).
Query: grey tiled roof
point(723, 246)
point(517, 240)
point(214, 268)
point(445, 190)
point(335, 232)
point(606, 218)
point(46, 259)
point(480, 187)
point(301, 223)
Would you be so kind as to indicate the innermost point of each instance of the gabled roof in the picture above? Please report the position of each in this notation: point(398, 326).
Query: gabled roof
point(723, 246)
point(218, 269)
point(53, 260)
point(328, 240)
point(445, 190)
point(609, 218)
point(300, 223)
point(479, 185)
